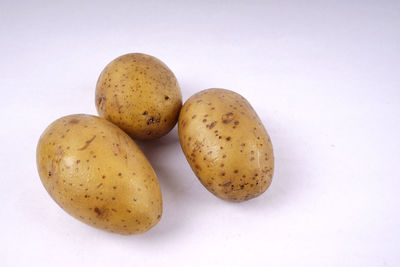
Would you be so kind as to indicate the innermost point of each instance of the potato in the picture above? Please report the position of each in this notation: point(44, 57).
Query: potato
point(140, 94)
point(226, 144)
point(97, 173)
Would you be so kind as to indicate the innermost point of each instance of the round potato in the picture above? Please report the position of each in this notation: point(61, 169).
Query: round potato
point(97, 173)
point(226, 144)
point(140, 94)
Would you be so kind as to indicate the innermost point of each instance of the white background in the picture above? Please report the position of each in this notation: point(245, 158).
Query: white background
point(323, 76)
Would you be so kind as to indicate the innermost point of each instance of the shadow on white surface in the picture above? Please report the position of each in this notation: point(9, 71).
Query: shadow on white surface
point(287, 184)
point(162, 154)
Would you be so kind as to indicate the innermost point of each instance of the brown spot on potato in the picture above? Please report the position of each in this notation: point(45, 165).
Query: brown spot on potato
point(87, 143)
point(227, 182)
point(98, 211)
point(150, 120)
point(100, 101)
point(212, 125)
point(227, 118)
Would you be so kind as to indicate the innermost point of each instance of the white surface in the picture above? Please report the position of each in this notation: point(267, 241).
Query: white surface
point(324, 78)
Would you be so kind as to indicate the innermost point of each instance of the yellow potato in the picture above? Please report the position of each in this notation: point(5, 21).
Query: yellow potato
point(97, 173)
point(140, 94)
point(226, 144)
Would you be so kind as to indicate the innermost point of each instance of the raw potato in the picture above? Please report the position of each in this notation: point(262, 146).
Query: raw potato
point(140, 94)
point(97, 173)
point(226, 144)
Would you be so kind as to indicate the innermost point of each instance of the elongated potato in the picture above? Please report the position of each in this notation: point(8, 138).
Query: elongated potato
point(97, 173)
point(226, 144)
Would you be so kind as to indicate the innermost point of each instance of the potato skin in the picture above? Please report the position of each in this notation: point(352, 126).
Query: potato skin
point(140, 94)
point(226, 144)
point(96, 172)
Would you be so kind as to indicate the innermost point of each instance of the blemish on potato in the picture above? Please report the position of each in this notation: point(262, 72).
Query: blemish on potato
point(227, 118)
point(150, 120)
point(212, 125)
point(227, 182)
point(87, 143)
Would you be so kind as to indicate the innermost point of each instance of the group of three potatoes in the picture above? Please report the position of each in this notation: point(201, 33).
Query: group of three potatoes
point(94, 170)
